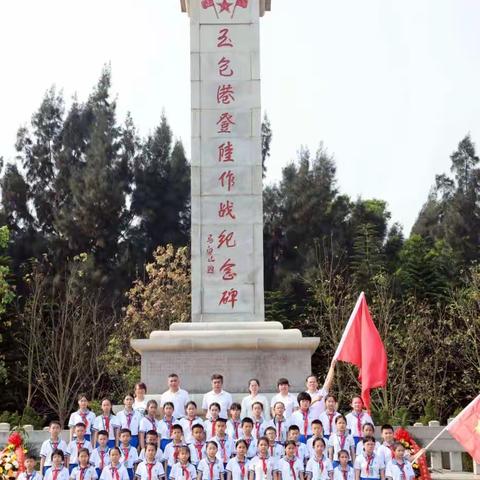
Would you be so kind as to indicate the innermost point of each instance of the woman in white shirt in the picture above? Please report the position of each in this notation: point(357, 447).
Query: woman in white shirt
point(249, 400)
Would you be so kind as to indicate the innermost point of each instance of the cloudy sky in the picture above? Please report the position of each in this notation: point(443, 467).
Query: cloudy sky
point(389, 86)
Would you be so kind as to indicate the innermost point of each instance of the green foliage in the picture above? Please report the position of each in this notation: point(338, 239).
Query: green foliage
point(28, 417)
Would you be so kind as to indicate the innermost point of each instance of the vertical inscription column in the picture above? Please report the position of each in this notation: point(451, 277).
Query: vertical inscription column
point(227, 212)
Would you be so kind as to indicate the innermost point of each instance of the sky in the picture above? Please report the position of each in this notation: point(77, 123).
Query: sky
point(389, 86)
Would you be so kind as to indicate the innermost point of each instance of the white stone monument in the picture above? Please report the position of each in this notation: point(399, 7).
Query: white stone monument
point(228, 333)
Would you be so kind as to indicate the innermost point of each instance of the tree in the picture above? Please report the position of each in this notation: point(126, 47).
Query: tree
point(266, 141)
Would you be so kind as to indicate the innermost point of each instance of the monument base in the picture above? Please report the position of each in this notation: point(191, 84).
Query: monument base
point(237, 350)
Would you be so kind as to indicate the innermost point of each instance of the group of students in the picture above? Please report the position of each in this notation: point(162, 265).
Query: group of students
point(299, 442)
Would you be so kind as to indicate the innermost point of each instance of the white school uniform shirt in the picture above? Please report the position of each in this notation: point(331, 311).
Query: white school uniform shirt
point(204, 468)
point(310, 449)
point(281, 427)
point(286, 471)
point(359, 450)
point(353, 420)
point(210, 432)
point(226, 448)
point(108, 473)
point(140, 406)
point(301, 452)
point(197, 452)
point(328, 422)
point(335, 442)
point(233, 432)
point(339, 475)
point(158, 471)
point(277, 450)
point(89, 474)
point(318, 407)
point(101, 422)
point(298, 418)
point(48, 446)
point(166, 427)
point(129, 456)
point(171, 453)
point(247, 403)
point(187, 426)
point(256, 466)
point(130, 420)
point(258, 427)
point(88, 418)
point(180, 398)
point(33, 476)
point(375, 465)
point(290, 402)
point(147, 423)
point(62, 474)
point(224, 399)
point(386, 453)
point(233, 466)
point(319, 470)
point(96, 458)
point(251, 446)
point(74, 447)
point(159, 457)
point(394, 471)
point(188, 472)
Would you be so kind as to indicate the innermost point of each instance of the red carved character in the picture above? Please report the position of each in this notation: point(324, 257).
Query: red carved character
point(227, 270)
point(227, 179)
point(229, 296)
point(225, 152)
point(224, 69)
point(225, 94)
point(226, 210)
point(226, 239)
point(223, 40)
point(224, 122)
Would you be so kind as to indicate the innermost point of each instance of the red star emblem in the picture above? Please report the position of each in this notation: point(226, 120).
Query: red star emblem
point(225, 6)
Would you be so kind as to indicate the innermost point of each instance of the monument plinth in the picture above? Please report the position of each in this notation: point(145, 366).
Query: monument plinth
point(228, 333)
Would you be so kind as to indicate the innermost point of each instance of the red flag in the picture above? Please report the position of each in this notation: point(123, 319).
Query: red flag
point(465, 429)
point(207, 3)
point(241, 3)
point(361, 345)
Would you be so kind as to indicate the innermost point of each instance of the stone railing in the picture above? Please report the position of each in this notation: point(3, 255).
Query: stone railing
point(444, 457)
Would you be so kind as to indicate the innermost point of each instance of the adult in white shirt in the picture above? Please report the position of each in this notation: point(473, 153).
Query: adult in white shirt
point(318, 394)
point(140, 403)
point(249, 400)
point(218, 395)
point(176, 395)
point(284, 396)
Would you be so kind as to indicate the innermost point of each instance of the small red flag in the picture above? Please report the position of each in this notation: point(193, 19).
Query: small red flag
point(207, 3)
point(241, 3)
point(465, 429)
point(361, 345)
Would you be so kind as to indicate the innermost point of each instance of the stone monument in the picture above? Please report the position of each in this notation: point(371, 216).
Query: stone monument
point(228, 333)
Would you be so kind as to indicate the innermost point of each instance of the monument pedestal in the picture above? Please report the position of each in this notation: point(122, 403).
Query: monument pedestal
point(237, 350)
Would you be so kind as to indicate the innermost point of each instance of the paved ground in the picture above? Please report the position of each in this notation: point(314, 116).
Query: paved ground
point(446, 475)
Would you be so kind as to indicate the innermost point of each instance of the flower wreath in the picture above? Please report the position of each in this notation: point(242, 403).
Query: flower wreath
point(420, 467)
point(12, 457)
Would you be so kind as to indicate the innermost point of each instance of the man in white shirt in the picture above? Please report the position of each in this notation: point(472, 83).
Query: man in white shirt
point(318, 395)
point(176, 395)
point(217, 394)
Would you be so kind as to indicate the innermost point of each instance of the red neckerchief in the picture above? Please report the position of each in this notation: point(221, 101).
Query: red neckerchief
point(54, 445)
point(154, 425)
point(115, 474)
point(330, 421)
point(345, 473)
point(292, 463)
point(149, 470)
point(359, 423)
point(82, 473)
point(214, 427)
point(126, 452)
point(279, 429)
point(199, 447)
point(170, 426)
point(271, 447)
point(106, 423)
point(79, 446)
point(320, 464)
point(264, 464)
point(342, 438)
point(55, 473)
point(401, 466)
point(102, 459)
point(369, 462)
point(83, 416)
point(305, 421)
point(175, 452)
point(129, 416)
point(242, 468)
point(257, 429)
point(185, 472)
point(224, 451)
point(210, 466)
point(235, 426)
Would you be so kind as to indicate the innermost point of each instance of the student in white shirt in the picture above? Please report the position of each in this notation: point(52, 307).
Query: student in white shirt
point(108, 422)
point(275, 448)
point(130, 418)
point(114, 470)
point(140, 404)
point(217, 395)
point(175, 395)
point(301, 449)
point(29, 473)
point(290, 467)
point(279, 422)
point(82, 415)
point(197, 445)
point(319, 467)
point(152, 437)
point(210, 467)
point(317, 432)
point(284, 396)
point(57, 471)
point(399, 468)
point(234, 423)
point(183, 469)
point(263, 466)
point(149, 422)
point(357, 418)
point(173, 448)
point(329, 416)
point(303, 417)
point(254, 397)
point(237, 466)
point(100, 457)
point(76, 445)
point(258, 420)
point(368, 465)
point(368, 430)
point(387, 450)
point(129, 454)
point(226, 445)
point(166, 424)
point(210, 424)
point(343, 470)
point(190, 420)
point(150, 468)
point(83, 471)
point(247, 435)
point(53, 443)
point(340, 440)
